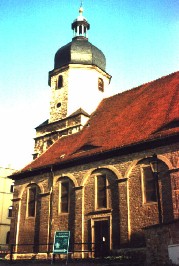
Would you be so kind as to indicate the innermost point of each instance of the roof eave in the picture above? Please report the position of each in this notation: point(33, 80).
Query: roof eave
point(122, 150)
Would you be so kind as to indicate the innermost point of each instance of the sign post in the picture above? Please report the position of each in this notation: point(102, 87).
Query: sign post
point(61, 243)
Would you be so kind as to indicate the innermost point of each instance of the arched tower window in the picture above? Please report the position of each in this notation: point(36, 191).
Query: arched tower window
point(60, 82)
point(100, 84)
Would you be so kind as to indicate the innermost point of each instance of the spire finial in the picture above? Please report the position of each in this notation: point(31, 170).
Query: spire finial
point(81, 8)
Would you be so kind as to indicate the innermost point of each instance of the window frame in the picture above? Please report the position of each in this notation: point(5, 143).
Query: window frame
point(145, 191)
point(61, 211)
point(105, 206)
point(34, 201)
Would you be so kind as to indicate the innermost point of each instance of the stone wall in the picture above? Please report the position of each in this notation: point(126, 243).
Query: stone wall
point(59, 96)
point(158, 238)
point(126, 212)
point(48, 133)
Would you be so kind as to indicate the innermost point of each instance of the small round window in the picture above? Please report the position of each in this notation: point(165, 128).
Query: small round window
point(59, 105)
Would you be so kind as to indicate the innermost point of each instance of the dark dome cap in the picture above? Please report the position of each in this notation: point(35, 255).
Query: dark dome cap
point(80, 51)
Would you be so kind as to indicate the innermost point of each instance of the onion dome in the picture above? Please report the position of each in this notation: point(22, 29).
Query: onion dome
point(80, 50)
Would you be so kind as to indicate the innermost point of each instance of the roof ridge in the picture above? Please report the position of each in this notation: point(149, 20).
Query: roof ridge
point(143, 84)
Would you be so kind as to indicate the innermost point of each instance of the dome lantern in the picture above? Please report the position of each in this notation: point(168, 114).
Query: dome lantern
point(80, 26)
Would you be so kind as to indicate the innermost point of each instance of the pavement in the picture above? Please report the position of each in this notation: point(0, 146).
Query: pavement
point(63, 263)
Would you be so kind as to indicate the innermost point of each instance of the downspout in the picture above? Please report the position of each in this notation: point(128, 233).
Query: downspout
point(82, 222)
point(50, 209)
point(128, 211)
point(17, 226)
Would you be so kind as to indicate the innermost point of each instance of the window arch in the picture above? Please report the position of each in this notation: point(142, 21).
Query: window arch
point(100, 84)
point(60, 82)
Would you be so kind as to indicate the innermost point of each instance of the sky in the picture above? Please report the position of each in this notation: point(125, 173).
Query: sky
point(140, 40)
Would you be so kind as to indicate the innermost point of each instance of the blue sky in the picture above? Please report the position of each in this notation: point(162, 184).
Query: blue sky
point(140, 40)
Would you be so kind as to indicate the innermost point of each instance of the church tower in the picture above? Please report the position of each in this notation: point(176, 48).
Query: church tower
point(78, 79)
point(78, 83)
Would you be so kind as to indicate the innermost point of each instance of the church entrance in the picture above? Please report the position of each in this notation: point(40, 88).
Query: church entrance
point(102, 238)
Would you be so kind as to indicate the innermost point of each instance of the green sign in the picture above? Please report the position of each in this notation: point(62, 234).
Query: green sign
point(61, 242)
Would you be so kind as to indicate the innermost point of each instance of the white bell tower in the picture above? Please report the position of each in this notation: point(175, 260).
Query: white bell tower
point(79, 79)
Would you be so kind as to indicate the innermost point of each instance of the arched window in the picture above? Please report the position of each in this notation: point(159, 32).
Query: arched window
point(101, 195)
point(149, 188)
point(100, 84)
point(32, 195)
point(65, 187)
point(64, 196)
point(60, 82)
point(59, 105)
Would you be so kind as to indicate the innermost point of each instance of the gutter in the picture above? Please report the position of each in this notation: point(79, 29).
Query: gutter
point(50, 209)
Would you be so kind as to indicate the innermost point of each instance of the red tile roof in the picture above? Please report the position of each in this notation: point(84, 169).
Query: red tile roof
point(145, 113)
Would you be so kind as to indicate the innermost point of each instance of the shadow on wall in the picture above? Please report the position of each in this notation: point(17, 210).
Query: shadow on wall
point(144, 208)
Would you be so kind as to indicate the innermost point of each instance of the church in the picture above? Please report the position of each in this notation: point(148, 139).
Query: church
point(104, 168)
